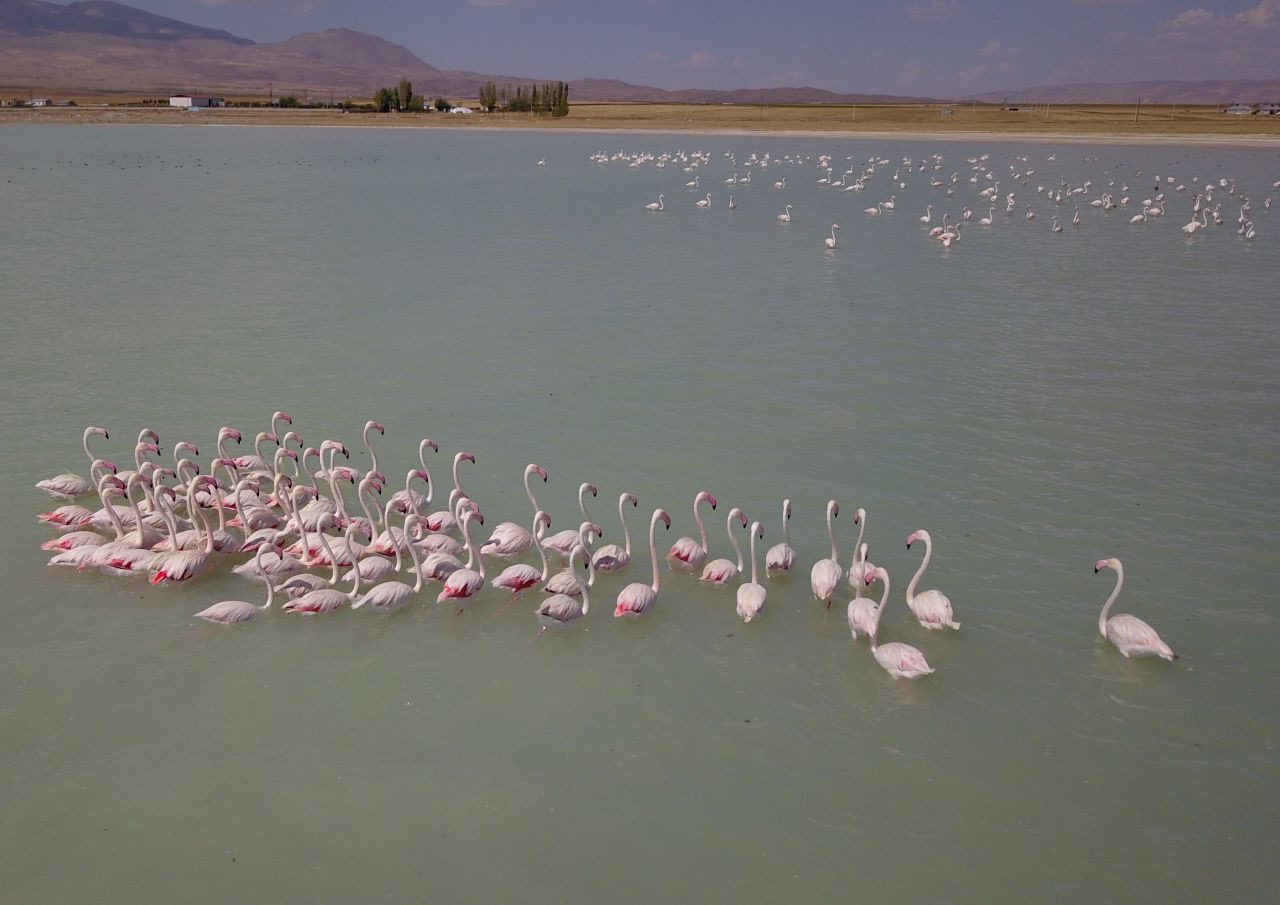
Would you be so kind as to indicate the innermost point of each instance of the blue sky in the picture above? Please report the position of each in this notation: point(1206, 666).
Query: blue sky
point(942, 47)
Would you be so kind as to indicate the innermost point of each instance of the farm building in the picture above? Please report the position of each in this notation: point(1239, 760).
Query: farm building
point(188, 101)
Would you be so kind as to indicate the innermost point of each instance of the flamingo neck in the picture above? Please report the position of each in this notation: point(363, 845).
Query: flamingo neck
point(591, 578)
point(195, 511)
point(831, 535)
point(386, 526)
point(413, 555)
point(733, 539)
point(653, 550)
point(786, 527)
point(1106, 609)
point(84, 441)
point(924, 564)
point(857, 545)
point(538, 533)
point(373, 456)
point(622, 517)
point(529, 490)
point(702, 529)
point(271, 589)
point(755, 576)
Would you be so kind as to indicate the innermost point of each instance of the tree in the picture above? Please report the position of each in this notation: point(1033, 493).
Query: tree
point(443, 105)
point(489, 96)
point(561, 105)
point(382, 100)
point(404, 94)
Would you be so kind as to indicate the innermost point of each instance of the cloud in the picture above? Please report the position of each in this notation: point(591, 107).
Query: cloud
point(934, 11)
point(700, 60)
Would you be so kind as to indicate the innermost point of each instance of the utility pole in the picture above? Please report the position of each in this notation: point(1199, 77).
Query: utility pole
point(1136, 105)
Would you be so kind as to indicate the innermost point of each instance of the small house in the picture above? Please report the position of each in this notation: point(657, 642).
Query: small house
point(1239, 110)
point(38, 102)
point(196, 101)
point(1269, 109)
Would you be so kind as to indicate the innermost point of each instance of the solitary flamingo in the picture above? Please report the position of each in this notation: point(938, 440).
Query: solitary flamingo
point(902, 661)
point(1131, 636)
point(69, 486)
point(781, 557)
point(227, 612)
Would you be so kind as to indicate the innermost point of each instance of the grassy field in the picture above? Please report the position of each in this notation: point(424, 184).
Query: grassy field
point(1083, 120)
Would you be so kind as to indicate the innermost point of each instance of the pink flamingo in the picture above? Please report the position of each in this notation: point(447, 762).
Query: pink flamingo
point(566, 581)
point(409, 500)
point(932, 609)
point(183, 565)
point(864, 613)
point(520, 577)
point(902, 661)
point(687, 554)
point(564, 609)
point(465, 583)
point(228, 612)
point(69, 486)
point(636, 599)
point(719, 572)
point(563, 542)
point(373, 456)
point(389, 596)
point(825, 575)
point(781, 557)
point(508, 539)
point(328, 599)
point(445, 520)
point(611, 557)
point(751, 594)
point(257, 461)
point(1131, 636)
point(860, 568)
point(442, 563)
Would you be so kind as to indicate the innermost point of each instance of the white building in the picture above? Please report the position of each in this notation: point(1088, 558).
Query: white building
point(188, 101)
point(1239, 109)
point(462, 110)
point(38, 102)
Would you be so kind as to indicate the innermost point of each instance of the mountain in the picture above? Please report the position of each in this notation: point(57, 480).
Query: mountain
point(101, 45)
point(31, 18)
point(1154, 92)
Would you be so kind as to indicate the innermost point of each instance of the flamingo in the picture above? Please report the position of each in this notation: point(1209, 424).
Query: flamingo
point(825, 575)
point(785, 216)
point(928, 214)
point(328, 599)
point(1131, 636)
point(831, 241)
point(445, 521)
point(932, 609)
point(183, 565)
point(874, 211)
point(388, 596)
point(636, 599)
point(864, 613)
point(566, 580)
point(1055, 226)
point(70, 486)
point(751, 594)
point(655, 205)
point(463, 584)
point(508, 539)
point(518, 577)
point(989, 218)
point(373, 456)
point(564, 609)
point(719, 572)
point(409, 500)
point(228, 612)
point(781, 557)
point(733, 205)
point(563, 542)
point(902, 661)
point(611, 557)
point(705, 202)
point(686, 554)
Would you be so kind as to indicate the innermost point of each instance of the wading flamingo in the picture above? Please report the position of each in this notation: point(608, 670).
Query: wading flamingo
point(751, 594)
point(719, 572)
point(636, 599)
point(686, 554)
point(825, 575)
point(1131, 636)
point(902, 661)
point(932, 609)
point(228, 612)
point(611, 557)
point(781, 557)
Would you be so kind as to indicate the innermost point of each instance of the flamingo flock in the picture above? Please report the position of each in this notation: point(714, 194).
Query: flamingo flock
point(280, 517)
point(984, 179)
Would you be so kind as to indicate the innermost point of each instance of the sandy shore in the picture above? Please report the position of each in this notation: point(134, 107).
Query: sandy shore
point(1083, 126)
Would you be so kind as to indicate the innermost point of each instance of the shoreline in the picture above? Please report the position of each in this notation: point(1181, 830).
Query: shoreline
point(329, 120)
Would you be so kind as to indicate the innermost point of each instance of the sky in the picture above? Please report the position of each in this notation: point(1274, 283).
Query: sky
point(914, 47)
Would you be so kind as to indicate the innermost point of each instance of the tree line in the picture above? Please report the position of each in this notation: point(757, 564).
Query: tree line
point(548, 99)
point(400, 98)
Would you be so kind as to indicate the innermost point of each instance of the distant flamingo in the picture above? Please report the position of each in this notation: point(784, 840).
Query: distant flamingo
point(751, 594)
point(655, 205)
point(719, 572)
point(705, 202)
point(686, 554)
point(825, 575)
point(636, 599)
point(781, 557)
point(902, 661)
point(785, 216)
point(932, 609)
point(1131, 636)
point(831, 241)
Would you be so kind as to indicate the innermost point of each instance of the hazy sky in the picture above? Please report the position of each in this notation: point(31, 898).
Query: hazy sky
point(941, 47)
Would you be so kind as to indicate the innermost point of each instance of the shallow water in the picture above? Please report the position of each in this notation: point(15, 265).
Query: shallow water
point(1036, 400)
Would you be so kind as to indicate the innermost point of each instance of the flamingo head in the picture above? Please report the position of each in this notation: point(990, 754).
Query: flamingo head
point(758, 530)
point(97, 432)
point(592, 489)
point(666, 519)
point(147, 434)
point(294, 437)
point(108, 465)
point(187, 463)
point(467, 457)
point(435, 447)
point(229, 433)
point(374, 426)
point(111, 485)
point(421, 475)
point(834, 508)
point(542, 519)
point(631, 498)
point(148, 447)
point(736, 513)
point(372, 472)
point(287, 453)
point(917, 535)
point(372, 483)
point(1104, 564)
point(786, 509)
point(859, 516)
point(281, 416)
point(538, 470)
point(705, 496)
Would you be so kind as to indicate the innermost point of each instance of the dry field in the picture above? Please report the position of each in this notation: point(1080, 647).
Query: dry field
point(1150, 122)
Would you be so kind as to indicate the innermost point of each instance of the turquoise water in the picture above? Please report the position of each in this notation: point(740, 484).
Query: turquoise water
point(1036, 400)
